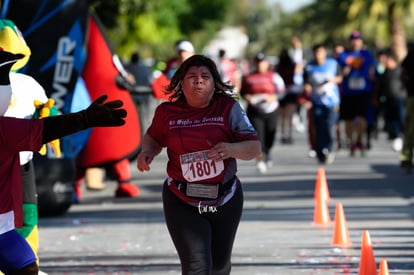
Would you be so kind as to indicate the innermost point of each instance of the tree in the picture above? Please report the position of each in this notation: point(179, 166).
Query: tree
point(153, 27)
point(386, 14)
point(383, 23)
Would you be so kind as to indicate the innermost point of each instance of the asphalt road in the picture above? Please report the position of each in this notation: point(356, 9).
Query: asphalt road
point(104, 235)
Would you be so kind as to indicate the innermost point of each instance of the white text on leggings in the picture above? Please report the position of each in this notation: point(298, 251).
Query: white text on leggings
point(206, 208)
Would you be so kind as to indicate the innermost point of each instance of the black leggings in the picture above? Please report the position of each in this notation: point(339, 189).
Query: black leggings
point(265, 125)
point(204, 242)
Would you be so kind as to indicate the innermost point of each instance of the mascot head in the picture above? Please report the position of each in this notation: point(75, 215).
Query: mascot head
point(11, 40)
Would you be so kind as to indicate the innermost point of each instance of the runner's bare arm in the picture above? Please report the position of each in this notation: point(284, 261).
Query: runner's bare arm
point(150, 149)
point(244, 150)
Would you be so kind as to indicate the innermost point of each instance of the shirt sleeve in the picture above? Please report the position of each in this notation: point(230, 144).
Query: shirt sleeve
point(20, 134)
point(158, 126)
point(240, 124)
point(338, 68)
point(279, 83)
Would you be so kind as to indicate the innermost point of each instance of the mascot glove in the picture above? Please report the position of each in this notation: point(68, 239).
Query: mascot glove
point(101, 114)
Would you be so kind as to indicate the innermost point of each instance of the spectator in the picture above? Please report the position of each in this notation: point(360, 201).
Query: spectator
point(141, 73)
point(392, 94)
point(407, 76)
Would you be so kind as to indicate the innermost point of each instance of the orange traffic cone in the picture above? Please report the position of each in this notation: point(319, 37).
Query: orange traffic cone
point(321, 186)
point(321, 213)
point(340, 233)
point(367, 265)
point(383, 268)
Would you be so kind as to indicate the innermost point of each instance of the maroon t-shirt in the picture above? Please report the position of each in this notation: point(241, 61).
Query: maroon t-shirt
point(187, 132)
point(16, 135)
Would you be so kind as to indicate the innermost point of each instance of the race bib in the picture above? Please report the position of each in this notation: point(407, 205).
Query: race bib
point(198, 166)
point(356, 83)
point(320, 90)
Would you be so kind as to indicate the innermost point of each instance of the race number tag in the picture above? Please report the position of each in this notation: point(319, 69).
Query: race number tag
point(356, 83)
point(198, 166)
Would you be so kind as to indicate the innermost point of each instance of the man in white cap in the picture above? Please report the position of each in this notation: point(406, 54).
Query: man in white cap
point(184, 50)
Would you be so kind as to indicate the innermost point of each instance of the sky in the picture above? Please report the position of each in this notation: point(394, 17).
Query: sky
point(291, 5)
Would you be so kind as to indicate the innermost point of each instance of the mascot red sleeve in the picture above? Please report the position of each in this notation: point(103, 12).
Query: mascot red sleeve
point(108, 147)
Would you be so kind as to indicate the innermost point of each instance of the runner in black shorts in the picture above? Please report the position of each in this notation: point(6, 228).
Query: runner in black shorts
point(358, 70)
point(354, 106)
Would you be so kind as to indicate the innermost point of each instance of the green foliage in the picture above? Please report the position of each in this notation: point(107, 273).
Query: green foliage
point(202, 13)
point(153, 27)
point(107, 10)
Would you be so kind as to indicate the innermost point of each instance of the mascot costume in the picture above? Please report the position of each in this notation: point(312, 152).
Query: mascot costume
point(16, 255)
point(25, 92)
point(55, 31)
point(108, 148)
point(60, 34)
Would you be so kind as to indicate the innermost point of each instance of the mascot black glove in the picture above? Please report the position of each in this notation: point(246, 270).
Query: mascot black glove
point(101, 114)
point(98, 114)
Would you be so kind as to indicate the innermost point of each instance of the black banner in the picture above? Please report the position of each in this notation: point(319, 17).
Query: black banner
point(55, 31)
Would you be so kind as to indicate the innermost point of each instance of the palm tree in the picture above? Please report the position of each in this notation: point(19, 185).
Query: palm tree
point(384, 23)
point(386, 19)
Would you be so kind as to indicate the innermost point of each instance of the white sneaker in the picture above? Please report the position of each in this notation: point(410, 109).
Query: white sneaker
point(330, 158)
point(261, 166)
point(397, 144)
point(299, 126)
point(269, 163)
point(312, 154)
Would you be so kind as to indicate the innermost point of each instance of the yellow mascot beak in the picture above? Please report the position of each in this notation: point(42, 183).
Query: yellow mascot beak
point(11, 40)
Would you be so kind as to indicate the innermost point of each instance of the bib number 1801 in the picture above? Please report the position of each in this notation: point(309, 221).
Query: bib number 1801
point(197, 166)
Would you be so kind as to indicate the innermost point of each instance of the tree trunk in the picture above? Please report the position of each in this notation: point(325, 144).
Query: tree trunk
point(398, 36)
